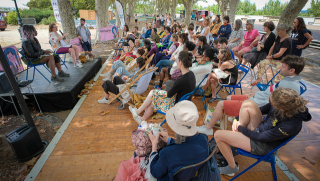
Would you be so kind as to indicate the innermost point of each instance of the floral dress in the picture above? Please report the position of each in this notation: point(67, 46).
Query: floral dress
point(161, 102)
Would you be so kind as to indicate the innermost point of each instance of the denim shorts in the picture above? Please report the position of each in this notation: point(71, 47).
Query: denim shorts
point(86, 46)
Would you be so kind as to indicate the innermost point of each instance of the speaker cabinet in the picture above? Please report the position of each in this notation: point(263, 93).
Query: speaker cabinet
point(25, 142)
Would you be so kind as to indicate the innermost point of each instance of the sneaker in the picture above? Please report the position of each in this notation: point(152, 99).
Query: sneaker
point(203, 129)
point(212, 99)
point(88, 57)
point(77, 65)
point(138, 119)
point(107, 78)
point(105, 74)
point(79, 62)
point(226, 170)
point(133, 111)
point(56, 79)
point(63, 74)
point(103, 101)
point(122, 106)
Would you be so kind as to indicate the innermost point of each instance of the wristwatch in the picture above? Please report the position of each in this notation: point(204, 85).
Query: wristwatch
point(272, 56)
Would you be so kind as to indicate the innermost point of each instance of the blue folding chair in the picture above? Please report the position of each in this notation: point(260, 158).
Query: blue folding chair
point(263, 87)
point(64, 59)
point(303, 88)
point(270, 157)
point(30, 65)
point(119, 48)
point(232, 88)
point(199, 90)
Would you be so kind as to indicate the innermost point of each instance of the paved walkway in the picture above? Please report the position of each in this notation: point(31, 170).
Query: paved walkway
point(93, 146)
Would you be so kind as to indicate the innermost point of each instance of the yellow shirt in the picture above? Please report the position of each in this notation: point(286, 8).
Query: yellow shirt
point(161, 34)
point(215, 28)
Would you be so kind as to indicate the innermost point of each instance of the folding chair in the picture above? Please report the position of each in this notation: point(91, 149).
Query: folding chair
point(119, 48)
point(303, 88)
point(64, 59)
point(142, 86)
point(232, 88)
point(270, 157)
point(199, 90)
point(263, 87)
point(131, 81)
point(30, 65)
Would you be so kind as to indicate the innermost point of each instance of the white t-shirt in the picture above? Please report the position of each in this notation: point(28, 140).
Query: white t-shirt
point(135, 17)
point(161, 18)
point(143, 30)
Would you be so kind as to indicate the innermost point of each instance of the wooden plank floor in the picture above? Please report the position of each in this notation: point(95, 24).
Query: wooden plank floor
point(95, 152)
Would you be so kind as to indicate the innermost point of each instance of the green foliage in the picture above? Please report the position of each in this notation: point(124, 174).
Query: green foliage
point(39, 4)
point(12, 18)
point(29, 13)
point(315, 8)
point(246, 8)
point(274, 8)
point(47, 21)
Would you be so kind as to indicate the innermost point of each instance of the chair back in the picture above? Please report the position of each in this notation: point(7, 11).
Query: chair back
point(145, 66)
point(245, 71)
point(263, 87)
point(303, 88)
point(143, 83)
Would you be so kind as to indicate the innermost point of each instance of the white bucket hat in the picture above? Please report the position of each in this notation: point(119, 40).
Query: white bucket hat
point(183, 117)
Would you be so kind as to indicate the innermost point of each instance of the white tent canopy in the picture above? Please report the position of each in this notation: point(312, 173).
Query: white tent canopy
point(10, 4)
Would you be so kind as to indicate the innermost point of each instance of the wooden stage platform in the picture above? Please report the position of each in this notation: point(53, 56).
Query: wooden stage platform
point(93, 146)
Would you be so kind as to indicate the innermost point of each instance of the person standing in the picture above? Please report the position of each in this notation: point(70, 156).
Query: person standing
point(136, 19)
point(298, 35)
point(84, 36)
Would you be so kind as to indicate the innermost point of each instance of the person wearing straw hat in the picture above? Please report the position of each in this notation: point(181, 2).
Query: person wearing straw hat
point(188, 148)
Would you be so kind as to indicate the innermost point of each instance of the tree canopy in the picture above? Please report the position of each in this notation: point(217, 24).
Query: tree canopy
point(315, 8)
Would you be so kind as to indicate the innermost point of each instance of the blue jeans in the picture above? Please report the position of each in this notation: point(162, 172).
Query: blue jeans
point(164, 63)
point(116, 65)
point(122, 72)
point(143, 36)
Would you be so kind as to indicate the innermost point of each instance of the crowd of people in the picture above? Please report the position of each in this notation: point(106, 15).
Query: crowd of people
point(186, 54)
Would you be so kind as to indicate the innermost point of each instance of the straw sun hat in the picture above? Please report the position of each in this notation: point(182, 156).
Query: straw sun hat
point(182, 118)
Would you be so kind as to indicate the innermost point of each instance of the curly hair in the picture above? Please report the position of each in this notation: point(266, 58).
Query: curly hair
point(51, 27)
point(287, 102)
point(269, 25)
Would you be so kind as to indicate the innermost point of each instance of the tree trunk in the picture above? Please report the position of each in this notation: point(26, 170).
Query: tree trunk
point(124, 5)
point(228, 8)
point(174, 6)
point(67, 20)
point(188, 8)
point(118, 22)
point(131, 6)
point(168, 6)
point(102, 20)
point(291, 11)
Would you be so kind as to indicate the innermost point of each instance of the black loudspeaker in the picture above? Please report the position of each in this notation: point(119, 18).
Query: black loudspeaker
point(25, 142)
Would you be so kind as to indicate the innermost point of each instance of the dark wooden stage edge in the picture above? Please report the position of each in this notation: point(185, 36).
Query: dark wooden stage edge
point(56, 96)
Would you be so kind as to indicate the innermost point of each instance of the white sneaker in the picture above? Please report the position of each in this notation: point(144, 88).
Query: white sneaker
point(133, 111)
point(88, 57)
point(107, 78)
point(138, 119)
point(79, 62)
point(203, 129)
point(103, 101)
point(78, 65)
point(105, 74)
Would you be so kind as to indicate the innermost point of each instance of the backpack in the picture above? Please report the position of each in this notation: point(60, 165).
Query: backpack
point(304, 41)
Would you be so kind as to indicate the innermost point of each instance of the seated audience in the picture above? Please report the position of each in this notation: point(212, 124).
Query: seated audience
point(148, 32)
point(179, 29)
point(251, 39)
point(154, 36)
point(298, 35)
point(110, 86)
point(144, 30)
point(261, 51)
point(237, 35)
point(205, 30)
point(172, 48)
point(33, 53)
point(163, 100)
point(184, 27)
point(225, 28)
point(135, 33)
point(188, 148)
point(215, 26)
point(222, 43)
point(290, 69)
point(59, 46)
point(202, 46)
point(286, 112)
point(190, 33)
point(120, 64)
point(229, 66)
point(166, 37)
point(161, 33)
point(280, 48)
point(173, 29)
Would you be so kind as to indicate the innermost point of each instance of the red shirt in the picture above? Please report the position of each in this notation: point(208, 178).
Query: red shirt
point(249, 37)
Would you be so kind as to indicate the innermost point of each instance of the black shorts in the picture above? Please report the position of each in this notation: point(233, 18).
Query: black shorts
point(135, 20)
point(86, 46)
point(259, 148)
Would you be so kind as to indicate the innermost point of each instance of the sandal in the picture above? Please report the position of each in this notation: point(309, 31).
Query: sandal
point(254, 83)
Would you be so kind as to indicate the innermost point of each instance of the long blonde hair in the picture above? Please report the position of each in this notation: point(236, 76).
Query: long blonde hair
point(287, 102)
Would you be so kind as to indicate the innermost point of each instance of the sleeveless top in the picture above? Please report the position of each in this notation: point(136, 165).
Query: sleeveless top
point(234, 75)
point(202, 33)
point(169, 23)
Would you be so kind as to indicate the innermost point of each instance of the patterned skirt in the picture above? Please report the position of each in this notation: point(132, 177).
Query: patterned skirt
point(160, 101)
